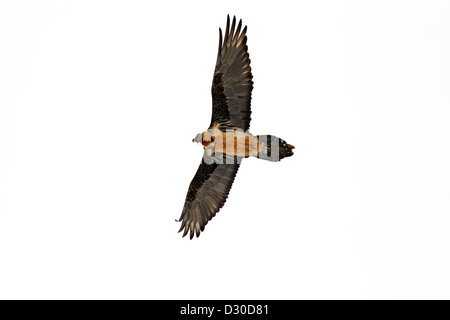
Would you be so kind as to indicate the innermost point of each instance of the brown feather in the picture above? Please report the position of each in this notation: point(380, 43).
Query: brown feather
point(232, 82)
point(207, 193)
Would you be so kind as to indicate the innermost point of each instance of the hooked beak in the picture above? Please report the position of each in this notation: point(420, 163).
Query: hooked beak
point(198, 138)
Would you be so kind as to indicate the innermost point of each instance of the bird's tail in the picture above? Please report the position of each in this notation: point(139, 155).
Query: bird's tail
point(273, 148)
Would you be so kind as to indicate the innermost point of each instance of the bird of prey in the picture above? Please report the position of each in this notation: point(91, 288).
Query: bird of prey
point(227, 140)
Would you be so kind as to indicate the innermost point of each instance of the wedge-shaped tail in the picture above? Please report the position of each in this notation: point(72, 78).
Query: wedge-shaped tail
point(274, 148)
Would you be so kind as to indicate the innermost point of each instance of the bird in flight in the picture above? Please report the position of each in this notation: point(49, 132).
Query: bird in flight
point(227, 140)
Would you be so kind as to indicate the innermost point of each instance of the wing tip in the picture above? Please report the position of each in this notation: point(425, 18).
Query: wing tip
point(194, 229)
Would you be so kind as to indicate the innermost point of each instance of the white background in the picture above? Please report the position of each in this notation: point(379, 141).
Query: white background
point(99, 101)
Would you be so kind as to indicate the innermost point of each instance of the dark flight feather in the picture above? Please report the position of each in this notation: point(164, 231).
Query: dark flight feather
point(207, 193)
point(232, 82)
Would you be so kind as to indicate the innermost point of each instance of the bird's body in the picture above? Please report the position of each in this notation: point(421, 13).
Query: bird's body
point(231, 143)
point(227, 140)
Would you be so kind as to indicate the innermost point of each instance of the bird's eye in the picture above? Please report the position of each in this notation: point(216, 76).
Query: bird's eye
point(207, 138)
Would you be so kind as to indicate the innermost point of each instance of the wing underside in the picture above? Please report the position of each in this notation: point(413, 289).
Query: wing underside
point(232, 82)
point(207, 193)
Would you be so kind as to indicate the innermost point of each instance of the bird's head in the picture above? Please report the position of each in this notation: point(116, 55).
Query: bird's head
point(198, 138)
point(204, 138)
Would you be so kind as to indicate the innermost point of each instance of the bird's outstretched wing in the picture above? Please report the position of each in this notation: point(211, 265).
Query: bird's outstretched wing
point(232, 82)
point(207, 193)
